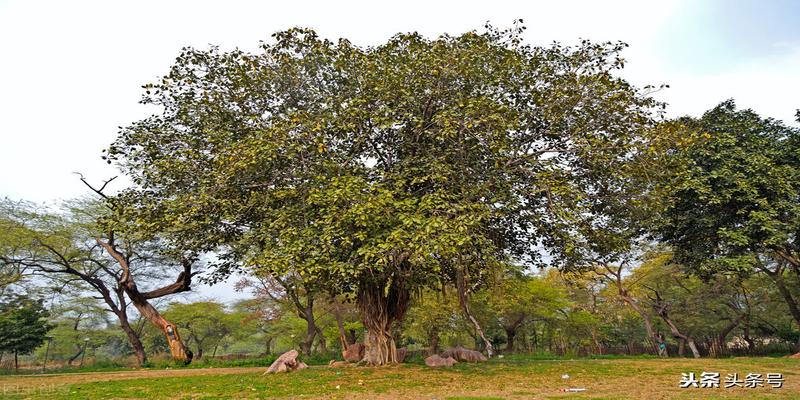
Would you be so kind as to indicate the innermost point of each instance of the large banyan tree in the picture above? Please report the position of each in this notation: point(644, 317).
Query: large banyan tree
point(376, 171)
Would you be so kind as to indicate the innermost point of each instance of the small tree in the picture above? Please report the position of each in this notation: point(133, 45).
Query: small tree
point(76, 245)
point(23, 326)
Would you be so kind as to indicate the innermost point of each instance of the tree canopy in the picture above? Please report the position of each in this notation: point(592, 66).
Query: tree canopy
point(383, 169)
point(23, 325)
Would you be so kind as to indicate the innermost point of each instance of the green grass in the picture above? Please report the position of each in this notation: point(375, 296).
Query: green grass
point(114, 366)
point(511, 377)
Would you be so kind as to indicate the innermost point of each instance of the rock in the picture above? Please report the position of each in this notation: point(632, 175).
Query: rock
point(436, 361)
point(401, 354)
point(336, 364)
point(354, 352)
point(462, 354)
point(287, 362)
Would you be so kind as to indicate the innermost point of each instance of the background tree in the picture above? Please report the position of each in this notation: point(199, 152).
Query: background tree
point(732, 198)
point(433, 317)
point(65, 246)
point(517, 300)
point(23, 326)
point(206, 322)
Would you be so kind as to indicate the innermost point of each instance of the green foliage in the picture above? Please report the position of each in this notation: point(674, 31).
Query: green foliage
point(733, 193)
point(206, 323)
point(434, 316)
point(386, 164)
point(23, 325)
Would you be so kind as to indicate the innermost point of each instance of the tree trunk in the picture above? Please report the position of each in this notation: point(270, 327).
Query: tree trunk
point(311, 329)
point(177, 348)
point(268, 345)
point(719, 345)
point(511, 333)
point(322, 345)
point(433, 341)
point(677, 333)
point(693, 348)
point(180, 352)
point(133, 339)
point(681, 347)
point(746, 335)
point(461, 286)
point(337, 313)
point(379, 309)
point(794, 310)
point(16, 363)
point(655, 339)
point(75, 357)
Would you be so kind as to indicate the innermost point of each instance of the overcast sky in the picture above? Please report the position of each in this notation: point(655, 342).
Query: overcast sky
point(71, 71)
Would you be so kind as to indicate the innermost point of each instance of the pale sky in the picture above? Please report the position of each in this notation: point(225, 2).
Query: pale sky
point(71, 71)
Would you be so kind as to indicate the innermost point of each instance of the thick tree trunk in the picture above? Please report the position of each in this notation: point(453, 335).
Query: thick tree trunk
point(380, 348)
point(511, 329)
point(794, 309)
point(311, 329)
point(379, 309)
point(693, 348)
point(180, 352)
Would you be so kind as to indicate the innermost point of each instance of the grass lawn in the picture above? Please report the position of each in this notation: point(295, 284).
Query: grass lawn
point(521, 378)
